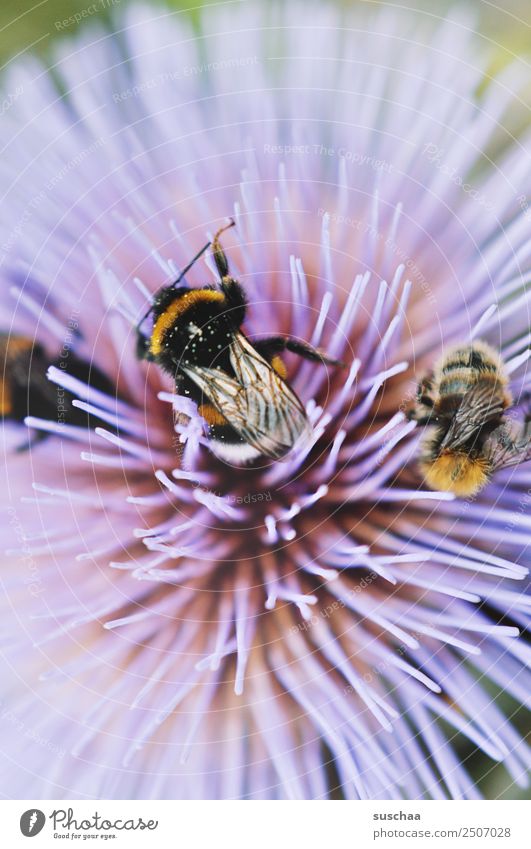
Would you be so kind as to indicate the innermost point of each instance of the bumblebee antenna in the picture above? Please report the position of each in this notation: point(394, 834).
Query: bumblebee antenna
point(219, 255)
point(182, 274)
point(217, 252)
point(215, 240)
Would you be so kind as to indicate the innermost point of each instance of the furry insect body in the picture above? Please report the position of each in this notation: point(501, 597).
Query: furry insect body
point(249, 409)
point(26, 391)
point(464, 401)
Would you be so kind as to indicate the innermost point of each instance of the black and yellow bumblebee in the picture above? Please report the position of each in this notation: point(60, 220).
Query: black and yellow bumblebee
point(26, 391)
point(465, 401)
point(239, 385)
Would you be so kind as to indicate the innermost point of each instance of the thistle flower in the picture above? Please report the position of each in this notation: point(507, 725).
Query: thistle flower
point(174, 627)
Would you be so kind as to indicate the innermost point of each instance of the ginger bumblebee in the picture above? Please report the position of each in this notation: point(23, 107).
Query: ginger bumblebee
point(465, 400)
point(239, 386)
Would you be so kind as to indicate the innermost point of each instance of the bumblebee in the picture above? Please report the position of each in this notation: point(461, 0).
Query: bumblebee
point(466, 400)
point(239, 385)
point(26, 391)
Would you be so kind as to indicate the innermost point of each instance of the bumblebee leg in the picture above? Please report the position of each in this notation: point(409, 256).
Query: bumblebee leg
point(277, 344)
point(423, 412)
point(425, 390)
point(231, 288)
point(421, 418)
point(235, 299)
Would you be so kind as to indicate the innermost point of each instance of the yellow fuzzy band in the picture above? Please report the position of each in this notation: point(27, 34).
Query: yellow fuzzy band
point(177, 307)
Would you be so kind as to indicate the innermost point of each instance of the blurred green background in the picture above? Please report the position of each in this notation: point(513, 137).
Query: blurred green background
point(27, 26)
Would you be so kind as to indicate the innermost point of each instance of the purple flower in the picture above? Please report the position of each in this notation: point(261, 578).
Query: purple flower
point(177, 628)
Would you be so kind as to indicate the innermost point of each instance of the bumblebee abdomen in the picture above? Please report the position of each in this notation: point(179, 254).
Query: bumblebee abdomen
point(225, 441)
point(6, 399)
point(456, 472)
point(22, 360)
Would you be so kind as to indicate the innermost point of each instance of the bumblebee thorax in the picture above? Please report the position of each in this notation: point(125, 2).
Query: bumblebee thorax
point(193, 325)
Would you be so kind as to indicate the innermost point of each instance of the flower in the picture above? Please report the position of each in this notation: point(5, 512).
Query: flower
point(174, 627)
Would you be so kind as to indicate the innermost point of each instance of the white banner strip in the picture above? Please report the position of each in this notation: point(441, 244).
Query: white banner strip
point(268, 825)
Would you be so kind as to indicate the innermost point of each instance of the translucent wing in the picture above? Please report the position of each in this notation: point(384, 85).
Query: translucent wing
point(480, 405)
point(508, 445)
point(256, 402)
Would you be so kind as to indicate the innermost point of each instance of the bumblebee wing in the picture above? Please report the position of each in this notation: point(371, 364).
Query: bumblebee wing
point(478, 406)
point(508, 446)
point(257, 403)
point(274, 410)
